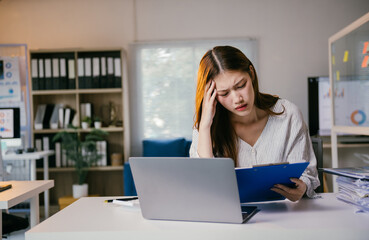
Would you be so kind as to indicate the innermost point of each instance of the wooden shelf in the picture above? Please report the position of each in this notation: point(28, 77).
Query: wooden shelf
point(103, 101)
point(71, 169)
point(99, 90)
point(348, 145)
point(106, 129)
point(53, 92)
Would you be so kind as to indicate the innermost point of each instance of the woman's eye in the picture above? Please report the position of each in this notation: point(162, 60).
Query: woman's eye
point(241, 86)
point(224, 94)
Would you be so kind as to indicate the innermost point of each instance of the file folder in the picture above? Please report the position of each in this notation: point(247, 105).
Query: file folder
point(254, 184)
point(34, 73)
point(48, 112)
point(63, 74)
point(41, 74)
point(72, 74)
point(55, 80)
point(48, 80)
point(95, 72)
point(88, 73)
point(41, 109)
point(81, 73)
point(111, 78)
point(103, 76)
point(117, 73)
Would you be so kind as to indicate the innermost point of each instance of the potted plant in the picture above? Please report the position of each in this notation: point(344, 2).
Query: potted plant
point(97, 122)
point(83, 153)
point(86, 122)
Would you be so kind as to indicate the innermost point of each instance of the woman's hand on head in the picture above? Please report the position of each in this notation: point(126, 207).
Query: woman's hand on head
point(293, 194)
point(209, 103)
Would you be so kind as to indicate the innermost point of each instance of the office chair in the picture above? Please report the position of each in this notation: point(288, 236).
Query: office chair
point(318, 151)
point(177, 147)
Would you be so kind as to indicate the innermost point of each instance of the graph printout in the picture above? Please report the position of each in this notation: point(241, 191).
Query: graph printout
point(6, 123)
point(10, 85)
point(351, 103)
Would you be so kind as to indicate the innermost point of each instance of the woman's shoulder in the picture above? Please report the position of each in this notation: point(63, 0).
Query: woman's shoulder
point(288, 108)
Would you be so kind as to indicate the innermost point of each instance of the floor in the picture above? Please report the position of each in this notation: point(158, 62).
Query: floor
point(19, 235)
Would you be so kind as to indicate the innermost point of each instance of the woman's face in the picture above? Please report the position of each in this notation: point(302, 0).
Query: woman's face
point(235, 92)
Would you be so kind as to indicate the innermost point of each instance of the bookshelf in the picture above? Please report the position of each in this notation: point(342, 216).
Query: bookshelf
point(349, 81)
point(73, 77)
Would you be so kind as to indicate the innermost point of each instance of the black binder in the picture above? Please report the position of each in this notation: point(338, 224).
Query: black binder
point(81, 73)
point(41, 74)
point(63, 84)
point(47, 116)
point(56, 74)
point(117, 73)
point(95, 72)
point(111, 79)
point(71, 74)
point(88, 73)
point(103, 76)
point(48, 71)
point(34, 74)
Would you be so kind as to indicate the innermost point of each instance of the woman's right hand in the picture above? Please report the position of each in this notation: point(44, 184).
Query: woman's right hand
point(209, 103)
point(204, 146)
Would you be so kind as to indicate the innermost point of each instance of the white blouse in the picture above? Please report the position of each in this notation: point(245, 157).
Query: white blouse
point(285, 138)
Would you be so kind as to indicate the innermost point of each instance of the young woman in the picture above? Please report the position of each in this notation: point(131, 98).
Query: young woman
point(233, 119)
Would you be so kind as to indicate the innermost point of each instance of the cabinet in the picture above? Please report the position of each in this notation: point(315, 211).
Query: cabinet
point(75, 77)
point(349, 81)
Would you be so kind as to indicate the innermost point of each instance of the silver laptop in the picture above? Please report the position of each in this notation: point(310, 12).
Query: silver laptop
point(188, 189)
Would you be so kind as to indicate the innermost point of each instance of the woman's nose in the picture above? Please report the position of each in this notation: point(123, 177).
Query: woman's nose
point(237, 98)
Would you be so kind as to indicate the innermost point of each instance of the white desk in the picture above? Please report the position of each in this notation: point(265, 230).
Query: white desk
point(22, 191)
point(91, 218)
point(32, 157)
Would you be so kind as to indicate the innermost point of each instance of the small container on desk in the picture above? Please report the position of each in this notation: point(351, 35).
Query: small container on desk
point(67, 200)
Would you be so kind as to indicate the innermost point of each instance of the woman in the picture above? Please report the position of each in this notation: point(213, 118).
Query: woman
point(233, 119)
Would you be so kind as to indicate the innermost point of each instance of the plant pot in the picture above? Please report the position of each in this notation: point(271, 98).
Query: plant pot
point(97, 125)
point(80, 190)
point(84, 125)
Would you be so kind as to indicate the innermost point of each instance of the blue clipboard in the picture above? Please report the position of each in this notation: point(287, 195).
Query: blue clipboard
point(254, 184)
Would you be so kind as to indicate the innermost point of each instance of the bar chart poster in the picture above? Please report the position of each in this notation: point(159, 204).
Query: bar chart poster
point(351, 100)
point(10, 85)
point(6, 123)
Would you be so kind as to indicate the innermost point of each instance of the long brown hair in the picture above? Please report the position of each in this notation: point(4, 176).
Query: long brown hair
point(214, 62)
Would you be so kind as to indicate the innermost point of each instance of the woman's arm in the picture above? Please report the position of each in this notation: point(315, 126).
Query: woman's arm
point(298, 148)
point(204, 147)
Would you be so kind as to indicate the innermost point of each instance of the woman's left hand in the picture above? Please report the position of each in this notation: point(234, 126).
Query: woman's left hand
point(293, 194)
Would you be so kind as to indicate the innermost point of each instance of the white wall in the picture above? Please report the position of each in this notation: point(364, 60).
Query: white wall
point(293, 34)
point(49, 24)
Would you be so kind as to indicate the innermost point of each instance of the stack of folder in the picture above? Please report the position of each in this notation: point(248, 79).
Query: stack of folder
point(52, 71)
point(58, 70)
point(53, 116)
point(99, 69)
point(353, 186)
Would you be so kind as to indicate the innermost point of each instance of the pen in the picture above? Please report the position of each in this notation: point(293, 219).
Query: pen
point(121, 199)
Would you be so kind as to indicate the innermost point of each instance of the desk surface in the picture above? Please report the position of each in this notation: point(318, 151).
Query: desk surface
point(21, 191)
point(91, 218)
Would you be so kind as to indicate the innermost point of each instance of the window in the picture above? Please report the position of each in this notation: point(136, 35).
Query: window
point(163, 86)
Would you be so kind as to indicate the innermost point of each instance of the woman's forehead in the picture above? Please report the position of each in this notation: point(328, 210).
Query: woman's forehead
point(230, 78)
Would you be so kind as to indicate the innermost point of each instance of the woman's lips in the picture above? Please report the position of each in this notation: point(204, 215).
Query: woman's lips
point(241, 108)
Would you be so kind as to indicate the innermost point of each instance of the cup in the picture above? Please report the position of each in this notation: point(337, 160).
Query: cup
point(116, 159)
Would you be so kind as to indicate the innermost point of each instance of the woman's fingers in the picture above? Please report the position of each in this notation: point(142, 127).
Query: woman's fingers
point(293, 194)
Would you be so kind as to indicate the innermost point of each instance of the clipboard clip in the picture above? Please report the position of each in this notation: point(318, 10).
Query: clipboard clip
point(270, 164)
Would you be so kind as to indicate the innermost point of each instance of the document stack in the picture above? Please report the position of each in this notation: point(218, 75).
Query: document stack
point(353, 186)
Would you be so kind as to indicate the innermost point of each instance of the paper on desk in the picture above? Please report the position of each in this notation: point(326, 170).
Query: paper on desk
point(133, 203)
point(354, 191)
